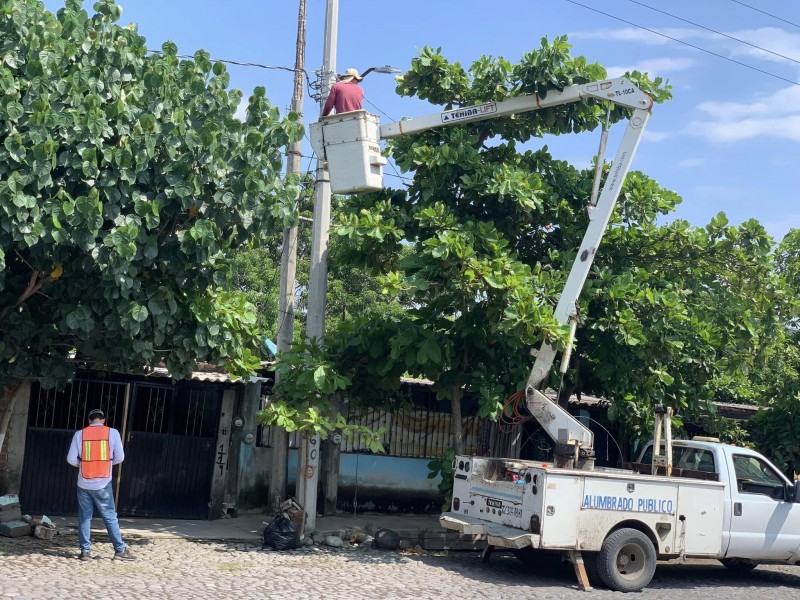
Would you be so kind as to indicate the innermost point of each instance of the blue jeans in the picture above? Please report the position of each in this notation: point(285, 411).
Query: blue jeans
point(103, 499)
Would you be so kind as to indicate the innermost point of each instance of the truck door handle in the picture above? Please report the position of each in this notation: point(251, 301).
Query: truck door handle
point(737, 509)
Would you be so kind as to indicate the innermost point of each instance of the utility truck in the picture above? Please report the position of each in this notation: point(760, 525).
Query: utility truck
point(616, 522)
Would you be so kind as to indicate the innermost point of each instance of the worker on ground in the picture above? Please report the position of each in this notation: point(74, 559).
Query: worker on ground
point(345, 95)
point(94, 450)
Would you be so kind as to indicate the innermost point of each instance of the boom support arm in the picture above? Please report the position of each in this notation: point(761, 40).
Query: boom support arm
point(569, 434)
point(567, 431)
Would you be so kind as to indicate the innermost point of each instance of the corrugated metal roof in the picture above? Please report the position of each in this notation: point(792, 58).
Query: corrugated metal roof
point(414, 381)
point(206, 376)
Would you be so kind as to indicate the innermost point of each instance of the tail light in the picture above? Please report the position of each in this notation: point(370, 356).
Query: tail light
point(456, 503)
point(536, 526)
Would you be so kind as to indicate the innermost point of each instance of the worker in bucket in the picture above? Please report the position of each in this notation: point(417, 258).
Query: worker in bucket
point(345, 95)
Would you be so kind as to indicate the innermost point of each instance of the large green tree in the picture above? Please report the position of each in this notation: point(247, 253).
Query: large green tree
point(126, 183)
point(478, 247)
point(776, 430)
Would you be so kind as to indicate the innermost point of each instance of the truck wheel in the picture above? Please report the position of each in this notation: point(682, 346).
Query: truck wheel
point(739, 564)
point(627, 561)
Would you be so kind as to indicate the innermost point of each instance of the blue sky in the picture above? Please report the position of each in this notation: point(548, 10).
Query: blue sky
point(729, 141)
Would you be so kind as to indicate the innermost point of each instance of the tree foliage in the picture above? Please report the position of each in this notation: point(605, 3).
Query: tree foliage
point(776, 430)
point(125, 184)
point(478, 247)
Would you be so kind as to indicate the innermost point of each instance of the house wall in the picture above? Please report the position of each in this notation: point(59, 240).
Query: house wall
point(248, 480)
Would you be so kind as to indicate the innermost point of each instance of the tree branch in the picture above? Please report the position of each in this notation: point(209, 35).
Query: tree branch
point(34, 285)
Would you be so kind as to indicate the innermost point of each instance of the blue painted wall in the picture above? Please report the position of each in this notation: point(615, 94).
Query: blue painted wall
point(382, 483)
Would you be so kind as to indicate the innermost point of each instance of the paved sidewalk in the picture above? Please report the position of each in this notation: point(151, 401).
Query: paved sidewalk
point(251, 526)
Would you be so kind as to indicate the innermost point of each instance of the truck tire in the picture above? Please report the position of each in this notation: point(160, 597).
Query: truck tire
point(627, 561)
point(739, 564)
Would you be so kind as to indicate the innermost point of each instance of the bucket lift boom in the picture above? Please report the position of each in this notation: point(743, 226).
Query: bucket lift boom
point(350, 144)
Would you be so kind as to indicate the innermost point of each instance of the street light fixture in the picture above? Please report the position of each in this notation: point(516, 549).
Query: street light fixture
point(385, 69)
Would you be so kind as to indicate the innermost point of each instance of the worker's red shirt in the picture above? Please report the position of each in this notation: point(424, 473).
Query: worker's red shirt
point(344, 97)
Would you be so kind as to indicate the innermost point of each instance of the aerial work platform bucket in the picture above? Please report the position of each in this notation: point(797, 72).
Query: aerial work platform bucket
point(350, 144)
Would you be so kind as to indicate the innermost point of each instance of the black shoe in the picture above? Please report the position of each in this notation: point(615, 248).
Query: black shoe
point(124, 555)
point(85, 555)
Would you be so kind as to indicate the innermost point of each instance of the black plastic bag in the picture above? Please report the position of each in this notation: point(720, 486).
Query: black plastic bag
point(281, 534)
point(386, 539)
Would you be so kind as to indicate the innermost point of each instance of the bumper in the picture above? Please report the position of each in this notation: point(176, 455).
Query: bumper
point(496, 534)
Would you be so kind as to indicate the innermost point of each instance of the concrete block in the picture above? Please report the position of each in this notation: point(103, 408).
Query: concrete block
point(15, 529)
point(11, 514)
point(43, 532)
point(8, 500)
point(39, 520)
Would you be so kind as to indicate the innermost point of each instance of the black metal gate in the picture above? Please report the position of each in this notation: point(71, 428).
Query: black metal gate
point(169, 433)
point(48, 482)
point(169, 451)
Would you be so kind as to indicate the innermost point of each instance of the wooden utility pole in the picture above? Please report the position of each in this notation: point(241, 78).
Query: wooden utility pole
point(308, 456)
point(280, 438)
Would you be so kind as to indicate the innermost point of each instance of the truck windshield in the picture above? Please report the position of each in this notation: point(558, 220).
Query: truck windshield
point(694, 459)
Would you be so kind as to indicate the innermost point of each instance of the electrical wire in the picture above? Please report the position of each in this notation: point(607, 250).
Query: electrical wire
point(730, 37)
point(664, 35)
point(239, 63)
point(378, 109)
point(763, 12)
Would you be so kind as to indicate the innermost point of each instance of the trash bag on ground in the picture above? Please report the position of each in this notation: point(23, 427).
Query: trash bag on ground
point(281, 534)
point(386, 539)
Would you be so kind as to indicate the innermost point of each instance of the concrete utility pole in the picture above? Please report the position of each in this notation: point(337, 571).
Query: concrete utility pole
point(280, 439)
point(308, 457)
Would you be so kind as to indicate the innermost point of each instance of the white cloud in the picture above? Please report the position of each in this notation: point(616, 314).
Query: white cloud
point(655, 136)
point(776, 115)
point(784, 101)
point(771, 38)
point(727, 131)
point(776, 40)
point(633, 34)
point(654, 66)
point(690, 163)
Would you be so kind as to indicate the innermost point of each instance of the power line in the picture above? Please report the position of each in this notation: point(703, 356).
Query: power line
point(763, 12)
point(664, 35)
point(378, 109)
point(240, 63)
point(730, 37)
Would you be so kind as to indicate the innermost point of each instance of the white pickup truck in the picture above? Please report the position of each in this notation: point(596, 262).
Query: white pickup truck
point(722, 502)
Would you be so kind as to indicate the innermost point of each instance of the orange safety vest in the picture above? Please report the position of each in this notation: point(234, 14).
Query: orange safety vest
point(95, 452)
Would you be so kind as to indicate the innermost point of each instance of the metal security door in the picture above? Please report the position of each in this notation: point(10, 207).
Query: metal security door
point(48, 481)
point(169, 451)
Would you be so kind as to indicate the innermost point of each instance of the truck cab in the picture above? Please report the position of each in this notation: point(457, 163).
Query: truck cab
point(761, 517)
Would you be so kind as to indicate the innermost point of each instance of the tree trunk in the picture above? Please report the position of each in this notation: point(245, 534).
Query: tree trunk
point(329, 467)
point(279, 468)
point(457, 423)
point(11, 391)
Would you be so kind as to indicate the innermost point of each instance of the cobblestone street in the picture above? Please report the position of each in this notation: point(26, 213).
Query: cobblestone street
point(176, 568)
